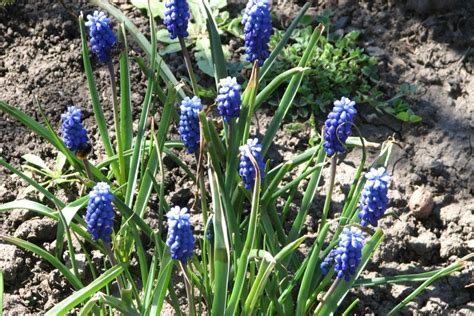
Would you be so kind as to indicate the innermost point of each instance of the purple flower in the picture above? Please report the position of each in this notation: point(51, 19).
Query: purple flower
point(100, 213)
point(176, 18)
point(189, 123)
point(228, 99)
point(373, 201)
point(74, 134)
point(257, 30)
point(246, 169)
point(180, 236)
point(102, 38)
point(338, 126)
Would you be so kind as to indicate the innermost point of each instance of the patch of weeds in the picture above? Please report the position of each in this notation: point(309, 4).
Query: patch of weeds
point(339, 68)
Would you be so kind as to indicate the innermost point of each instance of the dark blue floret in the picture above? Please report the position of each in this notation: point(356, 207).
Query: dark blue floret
point(373, 201)
point(228, 100)
point(246, 168)
point(338, 126)
point(74, 134)
point(257, 30)
point(348, 253)
point(100, 213)
point(102, 38)
point(180, 236)
point(176, 18)
point(328, 262)
point(189, 123)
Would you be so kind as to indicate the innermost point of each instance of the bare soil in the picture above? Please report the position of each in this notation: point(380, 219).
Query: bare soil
point(40, 56)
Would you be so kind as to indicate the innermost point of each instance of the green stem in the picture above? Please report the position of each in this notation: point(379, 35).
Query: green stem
point(189, 67)
point(121, 156)
point(328, 294)
point(88, 169)
point(327, 202)
point(189, 289)
point(113, 261)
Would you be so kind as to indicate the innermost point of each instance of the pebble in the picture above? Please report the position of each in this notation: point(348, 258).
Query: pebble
point(421, 203)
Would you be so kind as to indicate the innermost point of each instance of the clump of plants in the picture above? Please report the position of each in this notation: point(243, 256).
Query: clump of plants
point(248, 259)
point(338, 67)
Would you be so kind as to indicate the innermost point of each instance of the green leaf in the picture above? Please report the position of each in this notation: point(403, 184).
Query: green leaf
point(36, 161)
point(162, 283)
point(157, 7)
point(216, 46)
point(203, 57)
point(72, 208)
point(65, 306)
point(75, 282)
point(126, 118)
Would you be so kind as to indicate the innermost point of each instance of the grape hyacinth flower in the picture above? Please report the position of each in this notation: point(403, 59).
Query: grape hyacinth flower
point(338, 126)
point(102, 38)
point(348, 253)
point(257, 30)
point(180, 236)
point(74, 134)
point(373, 201)
point(189, 123)
point(247, 170)
point(328, 262)
point(100, 213)
point(176, 18)
point(228, 99)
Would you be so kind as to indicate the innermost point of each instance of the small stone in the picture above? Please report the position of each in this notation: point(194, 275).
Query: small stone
point(421, 203)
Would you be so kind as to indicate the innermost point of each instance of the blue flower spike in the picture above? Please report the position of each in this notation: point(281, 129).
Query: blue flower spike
point(102, 38)
point(338, 126)
point(180, 236)
point(74, 134)
point(189, 123)
point(246, 168)
point(176, 18)
point(257, 30)
point(346, 257)
point(228, 100)
point(374, 199)
point(100, 212)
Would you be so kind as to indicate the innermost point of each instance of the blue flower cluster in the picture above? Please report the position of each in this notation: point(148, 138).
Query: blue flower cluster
point(228, 100)
point(176, 18)
point(247, 170)
point(373, 201)
point(338, 126)
point(74, 134)
point(102, 38)
point(189, 123)
point(180, 236)
point(347, 255)
point(257, 30)
point(100, 212)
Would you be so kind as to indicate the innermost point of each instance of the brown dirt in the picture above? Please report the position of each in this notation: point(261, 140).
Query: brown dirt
point(40, 55)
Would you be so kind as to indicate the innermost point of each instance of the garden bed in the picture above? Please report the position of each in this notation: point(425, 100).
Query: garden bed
point(41, 56)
